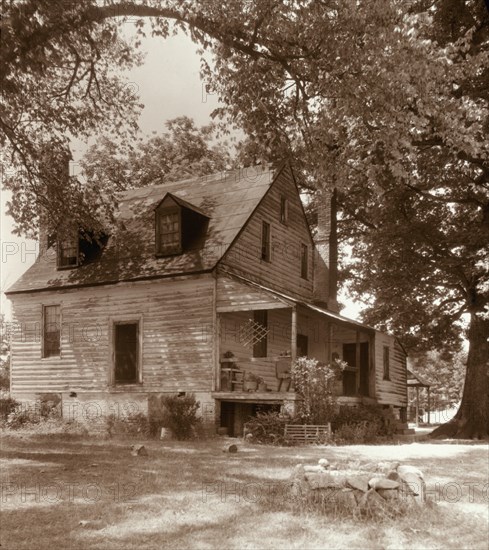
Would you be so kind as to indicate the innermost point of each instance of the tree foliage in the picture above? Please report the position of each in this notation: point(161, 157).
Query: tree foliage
point(181, 152)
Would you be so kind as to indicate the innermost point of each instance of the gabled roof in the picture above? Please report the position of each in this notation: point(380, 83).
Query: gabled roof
point(227, 198)
point(182, 203)
point(413, 380)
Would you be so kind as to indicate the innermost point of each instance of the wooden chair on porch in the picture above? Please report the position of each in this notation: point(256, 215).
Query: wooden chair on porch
point(282, 372)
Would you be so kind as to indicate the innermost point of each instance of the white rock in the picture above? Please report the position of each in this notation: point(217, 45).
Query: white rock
point(407, 469)
point(313, 469)
point(383, 483)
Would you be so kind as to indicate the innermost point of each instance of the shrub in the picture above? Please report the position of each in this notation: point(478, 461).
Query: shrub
point(360, 424)
point(267, 427)
point(7, 406)
point(314, 383)
point(179, 414)
point(5, 375)
point(21, 417)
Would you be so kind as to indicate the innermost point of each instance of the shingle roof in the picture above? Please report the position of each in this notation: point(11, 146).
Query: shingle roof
point(227, 198)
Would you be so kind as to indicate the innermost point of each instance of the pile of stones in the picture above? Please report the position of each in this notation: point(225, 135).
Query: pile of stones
point(360, 488)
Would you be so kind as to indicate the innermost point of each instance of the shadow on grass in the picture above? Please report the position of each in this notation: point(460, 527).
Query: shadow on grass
point(192, 494)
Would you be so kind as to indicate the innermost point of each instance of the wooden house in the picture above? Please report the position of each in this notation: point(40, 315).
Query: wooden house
point(205, 283)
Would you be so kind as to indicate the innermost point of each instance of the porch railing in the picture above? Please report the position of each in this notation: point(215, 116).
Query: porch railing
point(264, 374)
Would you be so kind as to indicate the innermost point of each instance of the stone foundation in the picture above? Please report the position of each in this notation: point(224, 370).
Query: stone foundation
point(91, 409)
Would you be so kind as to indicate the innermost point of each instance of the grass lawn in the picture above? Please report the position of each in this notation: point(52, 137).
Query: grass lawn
point(82, 493)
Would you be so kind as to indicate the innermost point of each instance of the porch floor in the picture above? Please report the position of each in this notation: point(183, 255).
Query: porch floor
point(255, 397)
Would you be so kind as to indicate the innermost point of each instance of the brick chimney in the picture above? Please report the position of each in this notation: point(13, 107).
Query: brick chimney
point(43, 232)
point(326, 256)
point(44, 229)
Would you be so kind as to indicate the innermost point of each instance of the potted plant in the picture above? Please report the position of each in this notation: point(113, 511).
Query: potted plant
point(250, 382)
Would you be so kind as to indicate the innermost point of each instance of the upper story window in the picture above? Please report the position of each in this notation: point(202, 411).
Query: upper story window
point(51, 331)
point(284, 209)
point(265, 242)
point(168, 231)
point(179, 226)
point(76, 247)
point(68, 249)
point(304, 261)
point(387, 363)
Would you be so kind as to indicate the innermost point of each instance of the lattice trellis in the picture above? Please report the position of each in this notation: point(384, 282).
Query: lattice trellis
point(251, 332)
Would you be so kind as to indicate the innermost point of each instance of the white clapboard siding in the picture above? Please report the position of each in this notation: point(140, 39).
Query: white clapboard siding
point(176, 316)
point(393, 391)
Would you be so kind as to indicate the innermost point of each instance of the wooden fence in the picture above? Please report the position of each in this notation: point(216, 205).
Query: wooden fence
point(307, 433)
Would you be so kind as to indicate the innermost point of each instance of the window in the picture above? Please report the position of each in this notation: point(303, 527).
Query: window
point(51, 334)
point(386, 363)
point(168, 231)
point(68, 248)
point(284, 209)
point(304, 261)
point(126, 352)
point(265, 241)
point(260, 348)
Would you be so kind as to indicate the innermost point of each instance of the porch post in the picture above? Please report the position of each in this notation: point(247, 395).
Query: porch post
point(328, 343)
point(429, 405)
point(293, 343)
point(357, 362)
point(372, 374)
point(417, 406)
point(217, 358)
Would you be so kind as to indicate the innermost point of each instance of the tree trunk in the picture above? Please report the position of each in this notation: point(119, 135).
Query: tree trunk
point(472, 418)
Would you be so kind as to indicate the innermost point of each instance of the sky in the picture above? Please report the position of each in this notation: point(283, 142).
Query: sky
point(169, 85)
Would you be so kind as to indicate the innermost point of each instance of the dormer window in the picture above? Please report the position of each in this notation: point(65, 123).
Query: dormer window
point(179, 226)
point(168, 231)
point(68, 248)
point(76, 247)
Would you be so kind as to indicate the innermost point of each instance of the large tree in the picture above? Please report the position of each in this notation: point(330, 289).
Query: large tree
point(379, 98)
point(183, 151)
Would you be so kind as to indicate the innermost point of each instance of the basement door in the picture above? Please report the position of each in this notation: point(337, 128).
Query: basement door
point(126, 353)
point(349, 377)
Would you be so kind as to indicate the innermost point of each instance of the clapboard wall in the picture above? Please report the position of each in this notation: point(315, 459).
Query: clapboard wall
point(394, 390)
point(283, 271)
point(176, 318)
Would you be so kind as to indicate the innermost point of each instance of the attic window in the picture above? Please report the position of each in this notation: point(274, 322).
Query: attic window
point(284, 209)
point(68, 248)
point(168, 231)
point(304, 261)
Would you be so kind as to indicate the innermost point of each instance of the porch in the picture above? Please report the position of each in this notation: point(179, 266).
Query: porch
point(258, 345)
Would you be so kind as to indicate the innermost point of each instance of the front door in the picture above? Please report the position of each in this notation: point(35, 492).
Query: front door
point(126, 353)
point(349, 377)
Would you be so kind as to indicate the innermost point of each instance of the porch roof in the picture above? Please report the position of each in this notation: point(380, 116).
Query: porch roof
point(413, 380)
point(290, 301)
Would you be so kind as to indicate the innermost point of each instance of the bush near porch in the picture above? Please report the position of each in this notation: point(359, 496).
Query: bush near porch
point(314, 382)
